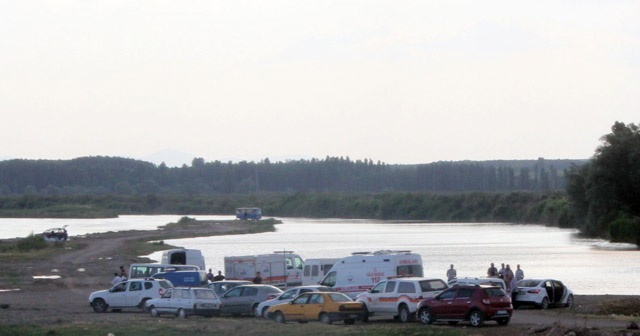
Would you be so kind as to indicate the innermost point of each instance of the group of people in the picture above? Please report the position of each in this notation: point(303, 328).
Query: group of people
point(218, 277)
point(505, 273)
point(119, 276)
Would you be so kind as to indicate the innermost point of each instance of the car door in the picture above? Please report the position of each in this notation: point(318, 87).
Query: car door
point(164, 303)
point(231, 300)
point(247, 299)
point(441, 305)
point(295, 310)
point(374, 296)
point(117, 294)
point(388, 298)
point(313, 307)
point(460, 303)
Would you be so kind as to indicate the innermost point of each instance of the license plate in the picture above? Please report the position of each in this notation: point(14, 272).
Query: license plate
point(353, 315)
point(501, 312)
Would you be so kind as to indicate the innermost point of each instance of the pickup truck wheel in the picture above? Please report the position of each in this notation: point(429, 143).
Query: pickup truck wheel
point(404, 314)
point(99, 306)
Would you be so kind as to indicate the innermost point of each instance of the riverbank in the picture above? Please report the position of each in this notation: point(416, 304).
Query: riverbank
point(87, 263)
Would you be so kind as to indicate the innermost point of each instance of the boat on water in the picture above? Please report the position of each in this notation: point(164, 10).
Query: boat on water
point(56, 234)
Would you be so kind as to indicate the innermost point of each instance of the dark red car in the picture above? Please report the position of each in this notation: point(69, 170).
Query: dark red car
point(475, 304)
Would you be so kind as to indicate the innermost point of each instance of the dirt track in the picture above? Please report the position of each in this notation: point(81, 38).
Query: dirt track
point(54, 301)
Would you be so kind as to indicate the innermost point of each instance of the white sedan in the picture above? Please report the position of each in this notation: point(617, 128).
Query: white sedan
point(542, 293)
point(183, 301)
point(288, 295)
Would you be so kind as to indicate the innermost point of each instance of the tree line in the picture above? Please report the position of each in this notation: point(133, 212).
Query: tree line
point(122, 176)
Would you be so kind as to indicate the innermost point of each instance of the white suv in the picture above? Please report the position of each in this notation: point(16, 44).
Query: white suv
point(400, 296)
point(128, 294)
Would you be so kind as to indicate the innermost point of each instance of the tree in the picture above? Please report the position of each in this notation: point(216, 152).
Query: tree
point(608, 188)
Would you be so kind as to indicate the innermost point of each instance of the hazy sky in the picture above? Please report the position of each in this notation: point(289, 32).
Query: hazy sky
point(395, 81)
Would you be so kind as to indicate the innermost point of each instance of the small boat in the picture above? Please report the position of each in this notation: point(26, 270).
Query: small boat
point(56, 234)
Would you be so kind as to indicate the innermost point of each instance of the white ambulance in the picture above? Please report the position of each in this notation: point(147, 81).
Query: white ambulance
point(315, 269)
point(280, 268)
point(359, 272)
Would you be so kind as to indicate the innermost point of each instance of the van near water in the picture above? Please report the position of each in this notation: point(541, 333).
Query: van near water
point(281, 268)
point(316, 269)
point(359, 272)
point(183, 257)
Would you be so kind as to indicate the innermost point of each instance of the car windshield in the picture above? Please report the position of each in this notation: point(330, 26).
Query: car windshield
point(339, 297)
point(528, 283)
point(204, 294)
point(495, 292)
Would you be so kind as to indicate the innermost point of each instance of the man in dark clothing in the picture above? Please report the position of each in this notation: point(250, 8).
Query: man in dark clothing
point(257, 279)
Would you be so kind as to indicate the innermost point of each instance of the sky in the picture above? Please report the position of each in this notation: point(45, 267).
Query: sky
point(400, 82)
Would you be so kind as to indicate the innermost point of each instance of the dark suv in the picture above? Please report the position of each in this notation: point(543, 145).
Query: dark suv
point(467, 303)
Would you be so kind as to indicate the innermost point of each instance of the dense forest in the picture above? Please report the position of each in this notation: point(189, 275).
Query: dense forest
point(121, 176)
point(599, 196)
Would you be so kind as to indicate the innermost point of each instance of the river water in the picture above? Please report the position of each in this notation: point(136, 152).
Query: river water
point(587, 266)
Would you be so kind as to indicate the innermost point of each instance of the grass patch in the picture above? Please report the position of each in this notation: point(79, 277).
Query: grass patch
point(195, 326)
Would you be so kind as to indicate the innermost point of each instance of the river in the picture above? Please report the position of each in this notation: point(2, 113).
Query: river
point(587, 266)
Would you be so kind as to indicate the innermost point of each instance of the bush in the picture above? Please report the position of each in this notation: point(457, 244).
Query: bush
point(32, 242)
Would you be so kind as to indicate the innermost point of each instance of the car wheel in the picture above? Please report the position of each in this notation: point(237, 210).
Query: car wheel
point(404, 313)
point(143, 303)
point(426, 316)
point(153, 311)
point(264, 312)
point(279, 317)
point(545, 303)
point(365, 317)
point(476, 318)
point(182, 314)
point(503, 321)
point(569, 303)
point(349, 321)
point(324, 318)
point(99, 306)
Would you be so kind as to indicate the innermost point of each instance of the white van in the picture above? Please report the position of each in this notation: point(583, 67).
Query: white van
point(316, 269)
point(478, 281)
point(359, 272)
point(183, 257)
point(280, 268)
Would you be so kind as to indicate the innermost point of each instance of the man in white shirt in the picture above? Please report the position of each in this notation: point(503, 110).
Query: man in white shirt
point(116, 279)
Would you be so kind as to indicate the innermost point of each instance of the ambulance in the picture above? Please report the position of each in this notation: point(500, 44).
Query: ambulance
point(359, 272)
point(315, 269)
point(280, 268)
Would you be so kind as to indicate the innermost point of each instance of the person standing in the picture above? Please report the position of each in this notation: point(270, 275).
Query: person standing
point(210, 275)
point(123, 273)
point(508, 278)
point(451, 273)
point(257, 279)
point(218, 277)
point(492, 271)
point(501, 272)
point(116, 279)
point(519, 273)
